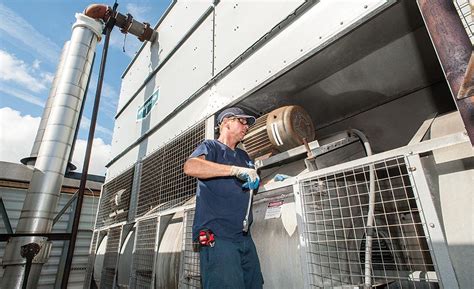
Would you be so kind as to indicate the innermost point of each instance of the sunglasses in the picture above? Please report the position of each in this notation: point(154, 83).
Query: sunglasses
point(243, 121)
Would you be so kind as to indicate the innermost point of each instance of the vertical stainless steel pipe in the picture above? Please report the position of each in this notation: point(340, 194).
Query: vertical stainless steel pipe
point(47, 108)
point(43, 194)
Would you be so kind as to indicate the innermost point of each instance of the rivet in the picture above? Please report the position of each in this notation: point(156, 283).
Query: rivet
point(432, 225)
point(412, 169)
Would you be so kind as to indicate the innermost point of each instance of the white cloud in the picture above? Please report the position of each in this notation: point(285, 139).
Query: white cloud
point(17, 71)
point(36, 64)
point(26, 96)
point(100, 156)
point(18, 28)
point(18, 132)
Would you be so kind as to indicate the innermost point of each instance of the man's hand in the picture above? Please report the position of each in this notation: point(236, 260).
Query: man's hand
point(248, 175)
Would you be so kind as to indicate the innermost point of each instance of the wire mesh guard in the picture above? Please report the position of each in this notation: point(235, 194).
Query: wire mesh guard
point(464, 10)
point(115, 200)
point(143, 256)
point(163, 184)
point(110, 257)
point(190, 272)
point(335, 208)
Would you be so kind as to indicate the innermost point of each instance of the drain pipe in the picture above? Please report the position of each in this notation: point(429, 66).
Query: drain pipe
point(370, 215)
point(44, 190)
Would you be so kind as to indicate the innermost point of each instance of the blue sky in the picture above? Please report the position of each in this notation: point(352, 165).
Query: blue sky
point(32, 34)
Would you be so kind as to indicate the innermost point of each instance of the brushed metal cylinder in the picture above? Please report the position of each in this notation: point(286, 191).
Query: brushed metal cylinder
point(44, 190)
point(49, 103)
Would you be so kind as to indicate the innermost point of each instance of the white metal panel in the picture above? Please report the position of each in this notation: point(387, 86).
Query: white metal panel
point(190, 69)
point(143, 65)
point(309, 33)
point(197, 110)
point(171, 30)
point(239, 24)
point(127, 129)
point(14, 198)
point(178, 22)
point(122, 164)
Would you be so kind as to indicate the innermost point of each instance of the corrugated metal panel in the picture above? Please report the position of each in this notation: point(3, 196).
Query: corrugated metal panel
point(13, 200)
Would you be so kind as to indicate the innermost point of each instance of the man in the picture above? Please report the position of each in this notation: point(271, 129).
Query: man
point(225, 175)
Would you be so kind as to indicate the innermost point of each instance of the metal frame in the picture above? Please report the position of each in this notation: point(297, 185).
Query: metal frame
point(433, 229)
point(314, 146)
point(182, 283)
point(300, 217)
point(155, 248)
point(117, 258)
point(437, 243)
point(132, 208)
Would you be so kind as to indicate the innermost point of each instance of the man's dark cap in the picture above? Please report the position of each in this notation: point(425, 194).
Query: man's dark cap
point(235, 112)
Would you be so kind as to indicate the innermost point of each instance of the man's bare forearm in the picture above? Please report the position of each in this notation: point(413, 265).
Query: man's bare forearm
point(203, 169)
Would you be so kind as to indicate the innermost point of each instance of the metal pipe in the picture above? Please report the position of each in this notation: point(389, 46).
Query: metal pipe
point(30, 161)
point(44, 191)
point(126, 23)
point(78, 126)
point(85, 167)
point(370, 215)
point(454, 50)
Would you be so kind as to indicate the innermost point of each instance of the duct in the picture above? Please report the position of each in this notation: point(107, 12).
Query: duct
point(47, 109)
point(43, 194)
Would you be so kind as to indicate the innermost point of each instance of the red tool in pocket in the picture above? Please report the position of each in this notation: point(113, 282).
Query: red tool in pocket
point(206, 238)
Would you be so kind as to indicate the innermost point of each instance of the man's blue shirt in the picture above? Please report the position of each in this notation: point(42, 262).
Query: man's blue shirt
point(221, 203)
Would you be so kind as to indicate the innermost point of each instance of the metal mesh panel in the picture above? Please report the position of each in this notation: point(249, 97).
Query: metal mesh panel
point(110, 257)
point(91, 260)
point(144, 254)
point(335, 208)
point(464, 10)
point(163, 184)
point(115, 200)
point(190, 272)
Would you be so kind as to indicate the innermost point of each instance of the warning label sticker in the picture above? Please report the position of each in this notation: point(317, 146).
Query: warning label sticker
point(274, 209)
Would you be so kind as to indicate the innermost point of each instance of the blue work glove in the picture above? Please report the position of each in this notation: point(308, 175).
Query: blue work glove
point(252, 185)
point(280, 177)
point(248, 175)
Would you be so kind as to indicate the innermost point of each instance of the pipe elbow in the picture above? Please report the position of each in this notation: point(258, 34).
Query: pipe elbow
point(98, 11)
